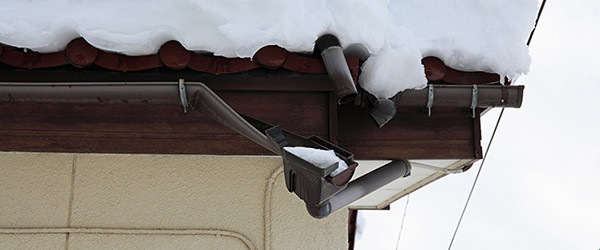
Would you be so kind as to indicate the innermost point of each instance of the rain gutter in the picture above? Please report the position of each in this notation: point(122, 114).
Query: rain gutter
point(462, 96)
point(164, 93)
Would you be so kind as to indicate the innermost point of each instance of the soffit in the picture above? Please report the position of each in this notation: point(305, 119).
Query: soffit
point(422, 174)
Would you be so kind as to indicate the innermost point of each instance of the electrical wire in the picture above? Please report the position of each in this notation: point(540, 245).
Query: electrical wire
point(402, 223)
point(536, 22)
point(475, 181)
point(493, 134)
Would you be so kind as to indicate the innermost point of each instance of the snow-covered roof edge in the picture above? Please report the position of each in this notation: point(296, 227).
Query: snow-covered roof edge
point(468, 35)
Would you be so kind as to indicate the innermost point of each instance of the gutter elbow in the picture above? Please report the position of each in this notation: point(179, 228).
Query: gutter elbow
point(319, 211)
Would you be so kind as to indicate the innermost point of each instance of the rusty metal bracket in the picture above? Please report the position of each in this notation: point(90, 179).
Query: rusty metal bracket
point(430, 99)
point(474, 100)
point(183, 95)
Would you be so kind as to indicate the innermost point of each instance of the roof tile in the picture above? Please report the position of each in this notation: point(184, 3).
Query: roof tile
point(173, 55)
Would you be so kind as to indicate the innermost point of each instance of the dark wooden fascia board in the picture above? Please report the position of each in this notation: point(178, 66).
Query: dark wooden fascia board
point(449, 133)
point(122, 128)
point(302, 103)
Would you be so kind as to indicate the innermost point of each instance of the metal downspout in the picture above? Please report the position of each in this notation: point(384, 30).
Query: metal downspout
point(205, 99)
point(361, 187)
point(337, 68)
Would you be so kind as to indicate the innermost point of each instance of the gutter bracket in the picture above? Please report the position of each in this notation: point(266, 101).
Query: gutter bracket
point(183, 95)
point(430, 100)
point(474, 100)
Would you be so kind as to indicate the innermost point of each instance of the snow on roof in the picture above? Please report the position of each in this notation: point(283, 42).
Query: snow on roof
point(469, 35)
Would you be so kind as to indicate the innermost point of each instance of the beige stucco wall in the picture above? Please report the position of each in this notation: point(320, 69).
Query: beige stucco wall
point(100, 201)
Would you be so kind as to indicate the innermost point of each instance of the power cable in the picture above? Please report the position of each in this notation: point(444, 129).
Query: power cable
point(493, 134)
point(402, 223)
point(475, 181)
point(536, 21)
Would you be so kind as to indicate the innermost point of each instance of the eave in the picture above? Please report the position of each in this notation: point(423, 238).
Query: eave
point(74, 109)
point(276, 86)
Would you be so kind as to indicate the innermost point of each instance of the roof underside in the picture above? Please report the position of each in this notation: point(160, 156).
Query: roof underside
point(423, 172)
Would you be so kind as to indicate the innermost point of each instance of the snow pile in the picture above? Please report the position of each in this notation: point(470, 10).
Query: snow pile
point(319, 157)
point(468, 35)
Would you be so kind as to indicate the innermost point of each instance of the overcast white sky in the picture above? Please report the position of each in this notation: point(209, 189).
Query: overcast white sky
point(540, 185)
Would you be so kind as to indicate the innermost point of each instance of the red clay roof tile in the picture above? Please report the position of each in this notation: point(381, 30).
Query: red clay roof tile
point(80, 53)
point(173, 55)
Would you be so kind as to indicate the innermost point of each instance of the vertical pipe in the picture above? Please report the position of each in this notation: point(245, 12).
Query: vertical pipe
point(338, 72)
point(337, 68)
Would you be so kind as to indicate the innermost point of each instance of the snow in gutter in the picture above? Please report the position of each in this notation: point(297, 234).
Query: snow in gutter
point(470, 35)
point(319, 157)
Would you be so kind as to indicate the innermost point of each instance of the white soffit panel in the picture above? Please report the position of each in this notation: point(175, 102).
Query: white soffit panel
point(423, 172)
